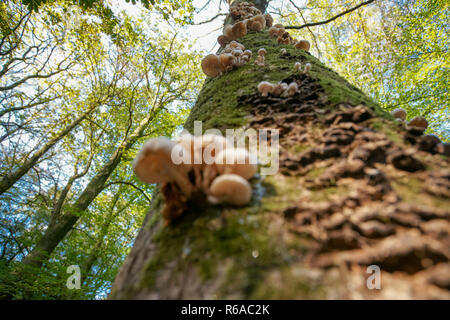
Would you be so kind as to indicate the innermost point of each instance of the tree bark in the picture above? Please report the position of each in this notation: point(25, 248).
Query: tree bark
point(355, 188)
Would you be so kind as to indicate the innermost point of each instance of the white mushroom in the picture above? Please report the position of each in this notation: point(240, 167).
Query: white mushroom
point(265, 87)
point(230, 188)
point(291, 89)
point(238, 161)
point(154, 164)
point(307, 68)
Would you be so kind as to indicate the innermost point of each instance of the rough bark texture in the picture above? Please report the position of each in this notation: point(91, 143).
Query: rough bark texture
point(355, 188)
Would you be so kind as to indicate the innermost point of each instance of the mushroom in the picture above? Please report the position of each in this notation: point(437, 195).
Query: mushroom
point(227, 61)
point(419, 122)
point(230, 188)
point(291, 89)
point(273, 31)
point(239, 29)
point(254, 25)
point(399, 113)
point(307, 68)
point(223, 40)
point(303, 44)
point(260, 61)
point(261, 19)
point(234, 44)
point(154, 164)
point(298, 66)
point(283, 51)
point(247, 53)
point(269, 19)
point(211, 65)
point(262, 52)
point(265, 88)
point(228, 31)
point(238, 161)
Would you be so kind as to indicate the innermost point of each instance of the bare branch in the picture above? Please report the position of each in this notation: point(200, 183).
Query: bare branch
point(312, 24)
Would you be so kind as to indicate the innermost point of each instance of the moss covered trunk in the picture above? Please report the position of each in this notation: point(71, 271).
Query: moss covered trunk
point(355, 188)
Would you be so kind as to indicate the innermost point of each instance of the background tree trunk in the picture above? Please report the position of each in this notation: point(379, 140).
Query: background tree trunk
point(355, 188)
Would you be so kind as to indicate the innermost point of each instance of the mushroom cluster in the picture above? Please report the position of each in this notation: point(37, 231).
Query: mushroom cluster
point(298, 67)
point(248, 18)
point(260, 59)
point(246, 11)
point(283, 37)
point(234, 55)
point(417, 122)
point(208, 165)
point(278, 89)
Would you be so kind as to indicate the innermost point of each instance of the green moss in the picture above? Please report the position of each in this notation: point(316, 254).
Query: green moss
point(315, 172)
point(217, 104)
point(410, 190)
point(286, 283)
point(389, 128)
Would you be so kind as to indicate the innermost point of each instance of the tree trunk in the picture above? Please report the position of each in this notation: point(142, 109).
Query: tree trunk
point(355, 188)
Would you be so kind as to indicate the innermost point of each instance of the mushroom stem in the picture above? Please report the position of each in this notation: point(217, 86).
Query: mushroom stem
point(181, 180)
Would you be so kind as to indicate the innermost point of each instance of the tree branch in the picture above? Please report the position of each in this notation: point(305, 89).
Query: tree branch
point(312, 24)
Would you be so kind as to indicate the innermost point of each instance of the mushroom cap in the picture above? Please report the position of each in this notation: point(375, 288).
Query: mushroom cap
point(236, 45)
point(211, 65)
point(238, 161)
point(227, 61)
point(292, 88)
point(230, 188)
point(269, 19)
point(247, 53)
point(239, 29)
point(237, 52)
point(281, 32)
point(273, 31)
point(399, 113)
point(303, 44)
point(419, 122)
point(153, 160)
point(278, 25)
point(308, 67)
point(228, 31)
point(223, 40)
point(261, 19)
point(254, 25)
point(265, 87)
point(262, 52)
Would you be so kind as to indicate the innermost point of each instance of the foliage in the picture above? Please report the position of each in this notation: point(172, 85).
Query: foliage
point(123, 72)
point(180, 11)
point(396, 51)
